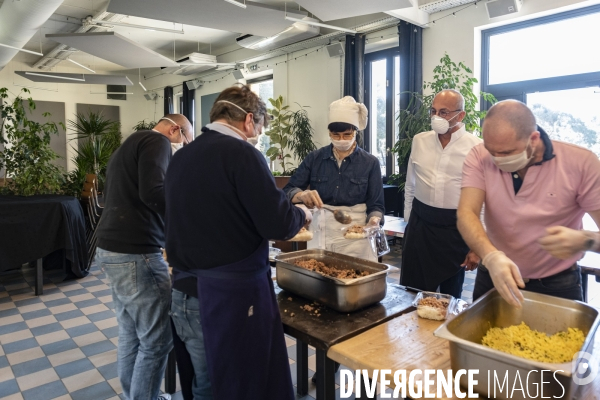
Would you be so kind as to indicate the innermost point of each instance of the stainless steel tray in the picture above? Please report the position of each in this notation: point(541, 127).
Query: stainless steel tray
point(544, 313)
point(344, 295)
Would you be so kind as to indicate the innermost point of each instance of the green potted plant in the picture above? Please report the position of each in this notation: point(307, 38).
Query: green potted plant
point(144, 126)
point(101, 138)
point(27, 156)
point(290, 133)
point(415, 118)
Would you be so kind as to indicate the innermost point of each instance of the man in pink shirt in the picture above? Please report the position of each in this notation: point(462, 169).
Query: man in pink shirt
point(536, 192)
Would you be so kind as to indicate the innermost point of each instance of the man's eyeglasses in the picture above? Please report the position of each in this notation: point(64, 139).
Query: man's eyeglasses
point(344, 135)
point(441, 113)
point(185, 140)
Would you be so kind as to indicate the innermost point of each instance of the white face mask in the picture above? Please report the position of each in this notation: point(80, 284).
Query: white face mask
point(513, 163)
point(253, 140)
point(343, 145)
point(442, 125)
point(176, 146)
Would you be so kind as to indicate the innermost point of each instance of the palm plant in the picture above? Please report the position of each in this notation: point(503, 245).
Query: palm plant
point(91, 127)
point(144, 126)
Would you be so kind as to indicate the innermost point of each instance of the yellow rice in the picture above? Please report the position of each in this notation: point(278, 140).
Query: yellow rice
point(521, 340)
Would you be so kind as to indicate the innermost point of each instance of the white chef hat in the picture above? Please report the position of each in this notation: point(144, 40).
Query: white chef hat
point(349, 111)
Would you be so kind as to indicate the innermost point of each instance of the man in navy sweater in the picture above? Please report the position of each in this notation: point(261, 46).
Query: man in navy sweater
point(222, 208)
point(130, 237)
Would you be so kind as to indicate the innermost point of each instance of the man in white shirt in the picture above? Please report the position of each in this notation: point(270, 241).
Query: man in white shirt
point(434, 255)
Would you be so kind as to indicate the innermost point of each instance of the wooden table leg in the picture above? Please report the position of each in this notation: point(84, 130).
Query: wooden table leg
point(170, 373)
point(39, 278)
point(325, 376)
point(301, 368)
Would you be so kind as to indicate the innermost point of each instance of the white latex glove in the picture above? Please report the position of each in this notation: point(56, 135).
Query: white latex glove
point(562, 242)
point(307, 214)
point(374, 221)
point(506, 277)
point(309, 198)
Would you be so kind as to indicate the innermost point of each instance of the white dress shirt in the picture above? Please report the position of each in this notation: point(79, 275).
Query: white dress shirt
point(434, 173)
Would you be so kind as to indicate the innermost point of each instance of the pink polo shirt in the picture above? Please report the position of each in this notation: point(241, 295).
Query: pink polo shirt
point(557, 192)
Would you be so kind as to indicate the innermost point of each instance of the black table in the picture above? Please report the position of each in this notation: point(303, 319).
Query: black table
point(36, 226)
point(330, 328)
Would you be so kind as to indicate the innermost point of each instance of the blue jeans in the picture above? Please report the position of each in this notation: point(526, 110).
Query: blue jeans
point(141, 289)
point(185, 312)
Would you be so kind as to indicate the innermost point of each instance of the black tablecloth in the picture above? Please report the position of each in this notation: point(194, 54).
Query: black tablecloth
point(36, 226)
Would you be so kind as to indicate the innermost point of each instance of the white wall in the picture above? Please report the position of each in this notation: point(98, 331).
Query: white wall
point(460, 36)
point(134, 109)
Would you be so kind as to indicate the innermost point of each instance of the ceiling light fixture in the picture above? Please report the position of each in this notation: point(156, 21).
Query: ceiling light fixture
point(149, 28)
point(82, 66)
point(237, 3)
point(209, 63)
point(23, 50)
point(56, 76)
point(337, 28)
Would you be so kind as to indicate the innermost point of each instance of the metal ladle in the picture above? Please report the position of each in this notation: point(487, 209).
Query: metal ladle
point(343, 217)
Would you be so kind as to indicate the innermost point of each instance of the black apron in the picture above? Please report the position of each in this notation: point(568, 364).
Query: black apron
point(243, 333)
point(433, 248)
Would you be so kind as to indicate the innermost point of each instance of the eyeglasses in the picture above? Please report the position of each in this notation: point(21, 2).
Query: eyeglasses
point(343, 135)
point(441, 113)
point(185, 140)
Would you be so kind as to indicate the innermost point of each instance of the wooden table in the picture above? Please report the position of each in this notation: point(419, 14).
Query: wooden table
point(407, 342)
point(330, 328)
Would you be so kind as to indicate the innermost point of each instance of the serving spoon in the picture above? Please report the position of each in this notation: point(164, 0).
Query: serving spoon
point(343, 217)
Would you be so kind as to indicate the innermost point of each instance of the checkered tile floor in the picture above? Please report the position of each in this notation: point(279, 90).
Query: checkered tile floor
point(62, 345)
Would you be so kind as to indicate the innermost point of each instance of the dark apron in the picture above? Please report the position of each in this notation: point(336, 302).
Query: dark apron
point(433, 248)
point(243, 333)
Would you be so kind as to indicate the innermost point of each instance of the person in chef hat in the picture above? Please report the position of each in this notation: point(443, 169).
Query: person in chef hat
point(343, 176)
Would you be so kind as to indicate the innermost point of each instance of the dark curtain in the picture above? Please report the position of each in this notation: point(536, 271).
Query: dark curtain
point(188, 103)
point(411, 61)
point(169, 100)
point(354, 71)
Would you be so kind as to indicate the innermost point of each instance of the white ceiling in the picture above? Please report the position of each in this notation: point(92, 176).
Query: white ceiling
point(327, 10)
point(68, 16)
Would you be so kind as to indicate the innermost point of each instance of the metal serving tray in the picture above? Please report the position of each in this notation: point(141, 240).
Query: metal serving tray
point(543, 313)
point(344, 295)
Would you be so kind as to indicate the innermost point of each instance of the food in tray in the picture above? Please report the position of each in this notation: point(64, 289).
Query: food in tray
point(303, 236)
point(334, 272)
point(433, 308)
point(522, 341)
point(355, 232)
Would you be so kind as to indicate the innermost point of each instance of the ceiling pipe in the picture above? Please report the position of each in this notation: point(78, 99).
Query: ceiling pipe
point(20, 21)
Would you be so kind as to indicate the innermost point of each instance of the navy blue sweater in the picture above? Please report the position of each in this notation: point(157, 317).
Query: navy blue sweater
point(222, 202)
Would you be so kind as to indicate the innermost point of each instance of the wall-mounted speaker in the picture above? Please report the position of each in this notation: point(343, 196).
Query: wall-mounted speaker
point(237, 74)
point(150, 96)
point(195, 84)
point(335, 50)
point(498, 8)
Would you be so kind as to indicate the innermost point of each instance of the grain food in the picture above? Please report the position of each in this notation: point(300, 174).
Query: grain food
point(355, 232)
point(304, 235)
point(323, 269)
point(433, 308)
point(522, 341)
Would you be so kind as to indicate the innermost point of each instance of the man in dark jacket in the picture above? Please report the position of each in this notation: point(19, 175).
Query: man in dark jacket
point(130, 238)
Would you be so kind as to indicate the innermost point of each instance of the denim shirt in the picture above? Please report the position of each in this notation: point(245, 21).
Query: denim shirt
point(357, 181)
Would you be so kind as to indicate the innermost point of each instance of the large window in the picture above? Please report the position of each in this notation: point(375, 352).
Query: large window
point(549, 63)
point(382, 98)
point(263, 87)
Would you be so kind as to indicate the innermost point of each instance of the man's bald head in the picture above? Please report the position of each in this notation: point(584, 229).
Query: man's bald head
point(514, 114)
point(451, 97)
point(169, 121)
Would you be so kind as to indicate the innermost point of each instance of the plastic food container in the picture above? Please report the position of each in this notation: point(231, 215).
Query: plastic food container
point(273, 253)
point(431, 311)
